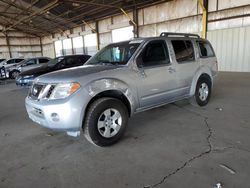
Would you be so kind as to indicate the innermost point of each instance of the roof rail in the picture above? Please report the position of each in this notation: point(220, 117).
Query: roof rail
point(166, 34)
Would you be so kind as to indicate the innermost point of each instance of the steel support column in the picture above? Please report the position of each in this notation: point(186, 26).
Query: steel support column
point(204, 6)
point(8, 44)
point(97, 35)
point(41, 45)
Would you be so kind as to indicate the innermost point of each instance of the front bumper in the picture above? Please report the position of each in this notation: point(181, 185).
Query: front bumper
point(20, 81)
point(62, 115)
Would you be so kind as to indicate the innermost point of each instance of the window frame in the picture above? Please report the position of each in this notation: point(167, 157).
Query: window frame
point(192, 43)
point(198, 46)
point(140, 53)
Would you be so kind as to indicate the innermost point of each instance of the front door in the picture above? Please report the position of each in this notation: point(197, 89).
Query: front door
point(157, 76)
point(30, 64)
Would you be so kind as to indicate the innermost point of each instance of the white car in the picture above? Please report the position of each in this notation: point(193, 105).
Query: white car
point(27, 64)
point(10, 62)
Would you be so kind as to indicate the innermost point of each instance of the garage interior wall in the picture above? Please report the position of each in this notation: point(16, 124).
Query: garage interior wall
point(228, 30)
point(20, 45)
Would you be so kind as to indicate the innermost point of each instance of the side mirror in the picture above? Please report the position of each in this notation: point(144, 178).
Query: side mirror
point(4, 63)
point(139, 62)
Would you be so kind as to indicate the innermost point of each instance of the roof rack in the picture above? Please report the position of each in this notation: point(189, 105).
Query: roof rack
point(166, 34)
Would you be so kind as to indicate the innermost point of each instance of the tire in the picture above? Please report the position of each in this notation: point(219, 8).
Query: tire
point(105, 121)
point(14, 74)
point(203, 91)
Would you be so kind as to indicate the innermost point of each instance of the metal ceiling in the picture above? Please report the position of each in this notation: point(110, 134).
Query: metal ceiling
point(45, 17)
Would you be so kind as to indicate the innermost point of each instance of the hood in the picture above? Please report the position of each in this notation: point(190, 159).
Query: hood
point(74, 74)
point(38, 71)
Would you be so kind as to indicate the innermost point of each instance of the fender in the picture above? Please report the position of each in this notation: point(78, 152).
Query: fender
point(203, 70)
point(112, 84)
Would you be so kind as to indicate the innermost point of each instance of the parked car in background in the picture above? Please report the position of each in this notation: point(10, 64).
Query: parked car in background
point(26, 78)
point(1, 60)
point(27, 64)
point(10, 62)
point(120, 80)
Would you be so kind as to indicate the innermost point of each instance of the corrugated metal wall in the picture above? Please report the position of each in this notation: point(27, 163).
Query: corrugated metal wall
point(232, 47)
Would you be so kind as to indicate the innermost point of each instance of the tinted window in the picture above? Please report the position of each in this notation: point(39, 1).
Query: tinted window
point(10, 61)
point(205, 49)
point(72, 61)
point(31, 62)
point(184, 50)
point(43, 60)
point(155, 53)
point(18, 60)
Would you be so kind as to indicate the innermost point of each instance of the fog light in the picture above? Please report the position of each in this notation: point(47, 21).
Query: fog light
point(55, 117)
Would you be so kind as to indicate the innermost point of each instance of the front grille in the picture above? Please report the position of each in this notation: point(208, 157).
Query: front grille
point(41, 91)
point(35, 90)
point(52, 87)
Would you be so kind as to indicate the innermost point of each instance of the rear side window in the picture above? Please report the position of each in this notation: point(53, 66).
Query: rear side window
point(31, 62)
point(73, 61)
point(18, 60)
point(155, 53)
point(184, 50)
point(10, 61)
point(84, 59)
point(205, 49)
point(43, 60)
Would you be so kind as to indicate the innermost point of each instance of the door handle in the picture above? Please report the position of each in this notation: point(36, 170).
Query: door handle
point(171, 70)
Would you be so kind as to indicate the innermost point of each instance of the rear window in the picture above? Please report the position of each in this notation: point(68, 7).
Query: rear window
point(184, 50)
point(205, 49)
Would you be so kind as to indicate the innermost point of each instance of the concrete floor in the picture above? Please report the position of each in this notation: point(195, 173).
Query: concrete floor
point(177, 145)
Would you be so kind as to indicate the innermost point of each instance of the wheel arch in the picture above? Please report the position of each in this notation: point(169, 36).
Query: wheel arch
point(110, 87)
point(112, 94)
point(199, 75)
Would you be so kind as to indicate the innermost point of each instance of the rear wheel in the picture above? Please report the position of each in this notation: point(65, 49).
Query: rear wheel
point(105, 121)
point(203, 91)
point(14, 74)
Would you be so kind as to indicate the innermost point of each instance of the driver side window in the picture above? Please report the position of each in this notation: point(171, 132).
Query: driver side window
point(154, 54)
point(31, 62)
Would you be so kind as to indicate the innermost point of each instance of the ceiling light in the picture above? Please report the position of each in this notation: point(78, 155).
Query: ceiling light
point(75, 4)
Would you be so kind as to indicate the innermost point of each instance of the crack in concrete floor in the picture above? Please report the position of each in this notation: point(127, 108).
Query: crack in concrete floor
point(209, 150)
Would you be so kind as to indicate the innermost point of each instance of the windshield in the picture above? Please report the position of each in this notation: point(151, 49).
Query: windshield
point(115, 54)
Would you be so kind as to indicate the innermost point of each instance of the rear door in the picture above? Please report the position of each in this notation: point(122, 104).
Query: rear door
point(186, 64)
point(157, 77)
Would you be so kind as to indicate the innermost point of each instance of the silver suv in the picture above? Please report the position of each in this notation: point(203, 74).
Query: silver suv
point(120, 80)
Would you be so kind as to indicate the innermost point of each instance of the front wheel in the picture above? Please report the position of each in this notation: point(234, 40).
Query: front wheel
point(203, 92)
point(14, 74)
point(105, 121)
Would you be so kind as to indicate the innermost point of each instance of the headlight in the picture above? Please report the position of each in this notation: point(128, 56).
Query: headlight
point(28, 76)
point(64, 90)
